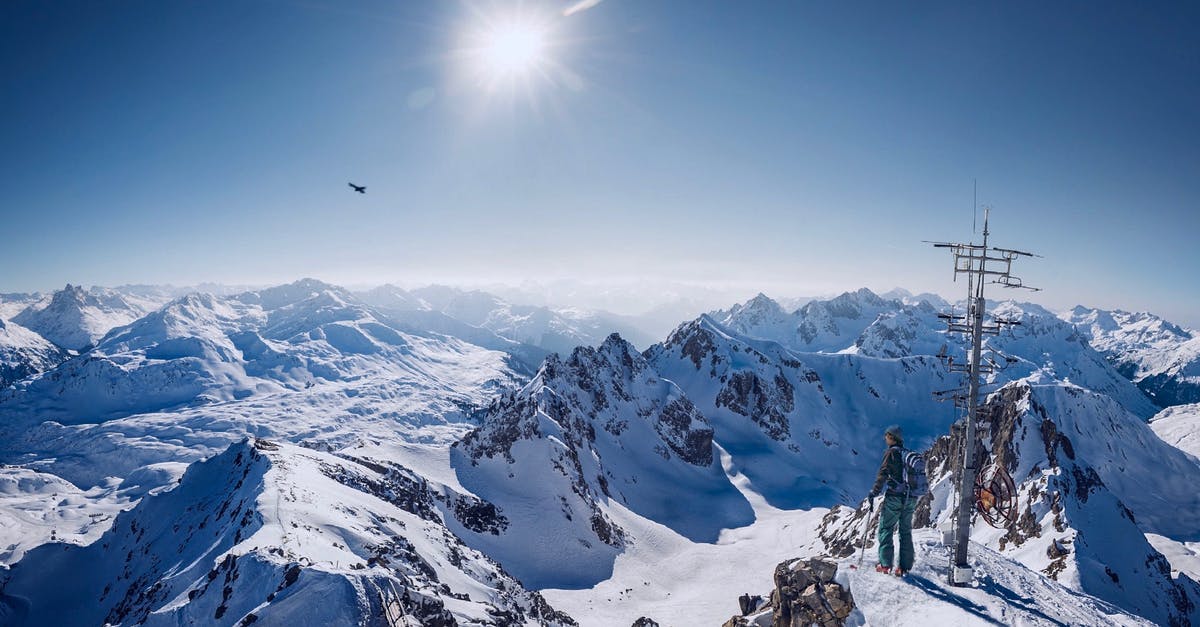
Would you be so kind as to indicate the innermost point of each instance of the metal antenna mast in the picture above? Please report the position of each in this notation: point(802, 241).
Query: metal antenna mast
point(972, 260)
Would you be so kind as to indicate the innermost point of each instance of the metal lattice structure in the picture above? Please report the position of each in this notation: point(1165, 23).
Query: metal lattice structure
point(981, 265)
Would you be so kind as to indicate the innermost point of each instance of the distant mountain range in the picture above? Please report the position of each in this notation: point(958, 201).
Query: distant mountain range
point(304, 452)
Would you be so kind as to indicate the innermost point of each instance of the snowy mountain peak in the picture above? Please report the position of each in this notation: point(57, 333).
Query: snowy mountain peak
point(295, 292)
point(851, 305)
point(597, 427)
point(1082, 464)
point(696, 339)
point(1161, 357)
point(759, 315)
point(916, 300)
point(76, 318)
point(762, 302)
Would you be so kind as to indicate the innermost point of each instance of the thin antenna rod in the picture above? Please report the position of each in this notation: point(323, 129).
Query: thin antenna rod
point(974, 204)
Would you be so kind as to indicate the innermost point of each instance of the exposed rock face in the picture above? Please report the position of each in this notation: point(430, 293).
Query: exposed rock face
point(1080, 463)
point(600, 426)
point(801, 423)
point(766, 402)
point(805, 594)
point(1073, 456)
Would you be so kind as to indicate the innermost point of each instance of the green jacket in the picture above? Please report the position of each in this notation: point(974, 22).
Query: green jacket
point(891, 472)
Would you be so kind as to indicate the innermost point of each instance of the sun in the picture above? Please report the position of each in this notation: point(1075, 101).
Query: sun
point(517, 53)
point(513, 48)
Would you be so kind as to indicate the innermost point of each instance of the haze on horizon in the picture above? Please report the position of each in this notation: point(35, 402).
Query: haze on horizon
point(793, 149)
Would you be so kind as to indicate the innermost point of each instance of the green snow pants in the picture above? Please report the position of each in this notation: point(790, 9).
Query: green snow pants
point(896, 510)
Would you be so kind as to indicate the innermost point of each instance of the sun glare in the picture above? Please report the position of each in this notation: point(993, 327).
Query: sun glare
point(514, 48)
point(521, 54)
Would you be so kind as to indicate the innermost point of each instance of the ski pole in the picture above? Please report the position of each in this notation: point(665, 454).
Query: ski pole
point(866, 530)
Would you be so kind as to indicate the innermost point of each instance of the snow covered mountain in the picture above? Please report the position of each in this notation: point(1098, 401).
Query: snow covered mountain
point(298, 362)
point(275, 533)
point(1161, 357)
point(798, 425)
point(1092, 479)
point(854, 322)
point(597, 430)
point(908, 298)
point(1048, 347)
point(337, 450)
point(556, 330)
point(862, 322)
point(828, 326)
point(24, 353)
point(76, 318)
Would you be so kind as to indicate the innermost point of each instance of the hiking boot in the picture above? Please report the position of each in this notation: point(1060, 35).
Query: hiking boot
point(883, 569)
point(899, 573)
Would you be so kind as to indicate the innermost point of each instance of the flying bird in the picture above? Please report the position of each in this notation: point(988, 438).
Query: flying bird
point(362, 189)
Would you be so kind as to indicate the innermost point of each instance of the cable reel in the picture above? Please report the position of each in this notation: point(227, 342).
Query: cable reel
point(996, 497)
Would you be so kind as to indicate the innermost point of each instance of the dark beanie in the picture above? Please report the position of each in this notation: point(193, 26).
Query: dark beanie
point(895, 432)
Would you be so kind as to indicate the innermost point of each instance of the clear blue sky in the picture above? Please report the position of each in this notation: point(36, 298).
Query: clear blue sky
point(804, 145)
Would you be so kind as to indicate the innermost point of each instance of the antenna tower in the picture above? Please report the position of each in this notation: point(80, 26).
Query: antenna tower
point(982, 265)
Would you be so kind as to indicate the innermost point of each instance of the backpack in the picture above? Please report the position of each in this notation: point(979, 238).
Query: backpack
point(915, 479)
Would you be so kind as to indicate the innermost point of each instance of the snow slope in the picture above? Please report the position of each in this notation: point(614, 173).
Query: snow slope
point(1180, 427)
point(24, 353)
point(802, 427)
point(273, 533)
point(589, 432)
point(663, 576)
point(1005, 593)
point(1092, 479)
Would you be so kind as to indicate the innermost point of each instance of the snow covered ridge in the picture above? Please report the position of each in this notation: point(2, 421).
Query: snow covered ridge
point(1161, 357)
point(1092, 480)
point(273, 532)
point(76, 318)
point(24, 353)
point(605, 456)
point(202, 349)
point(864, 323)
point(802, 427)
point(1007, 593)
point(597, 429)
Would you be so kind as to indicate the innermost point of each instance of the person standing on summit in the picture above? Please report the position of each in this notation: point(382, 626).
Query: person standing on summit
point(898, 505)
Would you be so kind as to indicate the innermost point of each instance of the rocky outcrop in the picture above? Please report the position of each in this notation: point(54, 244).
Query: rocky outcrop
point(597, 428)
point(1074, 457)
point(805, 594)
